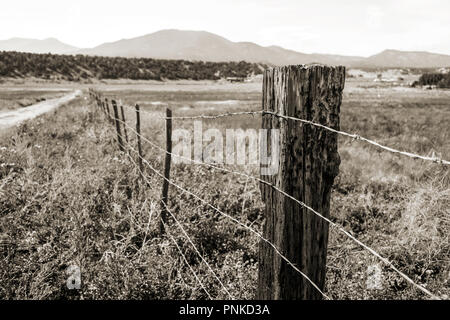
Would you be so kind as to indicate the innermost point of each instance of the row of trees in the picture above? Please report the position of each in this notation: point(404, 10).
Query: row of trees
point(441, 80)
point(79, 67)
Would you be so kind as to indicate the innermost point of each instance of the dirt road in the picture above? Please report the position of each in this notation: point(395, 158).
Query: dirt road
point(11, 118)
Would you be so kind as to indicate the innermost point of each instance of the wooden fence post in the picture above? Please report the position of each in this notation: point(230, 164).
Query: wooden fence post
point(165, 187)
point(102, 105)
point(107, 111)
point(116, 118)
point(308, 163)
point(138, 130)
point(124, 123)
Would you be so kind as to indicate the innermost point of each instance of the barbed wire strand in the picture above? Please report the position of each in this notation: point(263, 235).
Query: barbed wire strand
point(228, 216)
point(358, 137)
point(351, 135)
point(335, 225)
point(202, 116)
point(185, 260)
point(195, 248)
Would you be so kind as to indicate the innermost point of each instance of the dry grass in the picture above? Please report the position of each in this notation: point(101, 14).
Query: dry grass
point(11, 100)
point(67, 196)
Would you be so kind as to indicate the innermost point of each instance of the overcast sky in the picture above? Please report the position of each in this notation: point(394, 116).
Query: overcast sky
point(350, 27)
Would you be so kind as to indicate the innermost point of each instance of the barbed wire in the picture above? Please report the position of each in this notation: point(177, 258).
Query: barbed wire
point(185, 260)
point(358, 137)
point(333, 224)
point(354, 136)
point(338, 227)
point(195, 248)
point(225, 215)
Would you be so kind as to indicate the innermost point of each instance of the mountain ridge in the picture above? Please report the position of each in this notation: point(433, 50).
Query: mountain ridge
point(174, 44)
point(47, 45)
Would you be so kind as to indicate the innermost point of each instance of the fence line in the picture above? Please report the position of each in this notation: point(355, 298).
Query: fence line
point(333, 224)
point(229, 217)
point(341, 229)
point(127, 144)
point(354, 136)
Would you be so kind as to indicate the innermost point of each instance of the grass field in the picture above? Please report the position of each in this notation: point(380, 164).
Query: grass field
point(67, 196)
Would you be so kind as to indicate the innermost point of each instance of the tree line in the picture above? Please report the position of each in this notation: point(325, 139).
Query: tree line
point(82, 67)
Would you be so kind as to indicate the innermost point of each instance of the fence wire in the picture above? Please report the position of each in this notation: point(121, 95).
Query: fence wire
point(354, 136)
point(335, 225)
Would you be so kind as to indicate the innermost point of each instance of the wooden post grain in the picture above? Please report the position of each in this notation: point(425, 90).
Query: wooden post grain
point(124, 123)
point(116, 118)
point(308, 163)
point(168, 158)
point(139, 145)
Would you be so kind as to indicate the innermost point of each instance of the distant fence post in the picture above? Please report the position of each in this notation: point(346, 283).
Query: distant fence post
point(124, 123)
point(102, 106)
point(116, 118)
point(138, 131)
point(107, 111)
point(168, 157)
point(308, 163)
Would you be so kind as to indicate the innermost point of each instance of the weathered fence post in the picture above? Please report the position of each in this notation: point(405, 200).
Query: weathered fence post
point(308, 163)
point(124, 123)
point(116, 118)
point(107, 111)
point(168, 158)
point(138, 130)
point(102, 105)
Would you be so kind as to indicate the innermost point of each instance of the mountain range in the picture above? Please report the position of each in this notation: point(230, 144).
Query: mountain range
point(206, 46)
point(49, 45)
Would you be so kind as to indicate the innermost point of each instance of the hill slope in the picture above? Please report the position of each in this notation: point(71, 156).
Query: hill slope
point(405, 59)
point(50, 45)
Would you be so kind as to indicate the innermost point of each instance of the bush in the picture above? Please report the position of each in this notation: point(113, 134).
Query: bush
point(435, 79)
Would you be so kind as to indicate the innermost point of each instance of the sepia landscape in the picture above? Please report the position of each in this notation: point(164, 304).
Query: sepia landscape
point(90, 190)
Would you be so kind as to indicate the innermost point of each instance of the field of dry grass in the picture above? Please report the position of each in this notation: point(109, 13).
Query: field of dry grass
point(68, 196)
point(14, 99)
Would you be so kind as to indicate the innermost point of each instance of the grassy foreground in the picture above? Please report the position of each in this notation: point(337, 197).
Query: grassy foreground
point(68, 197)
